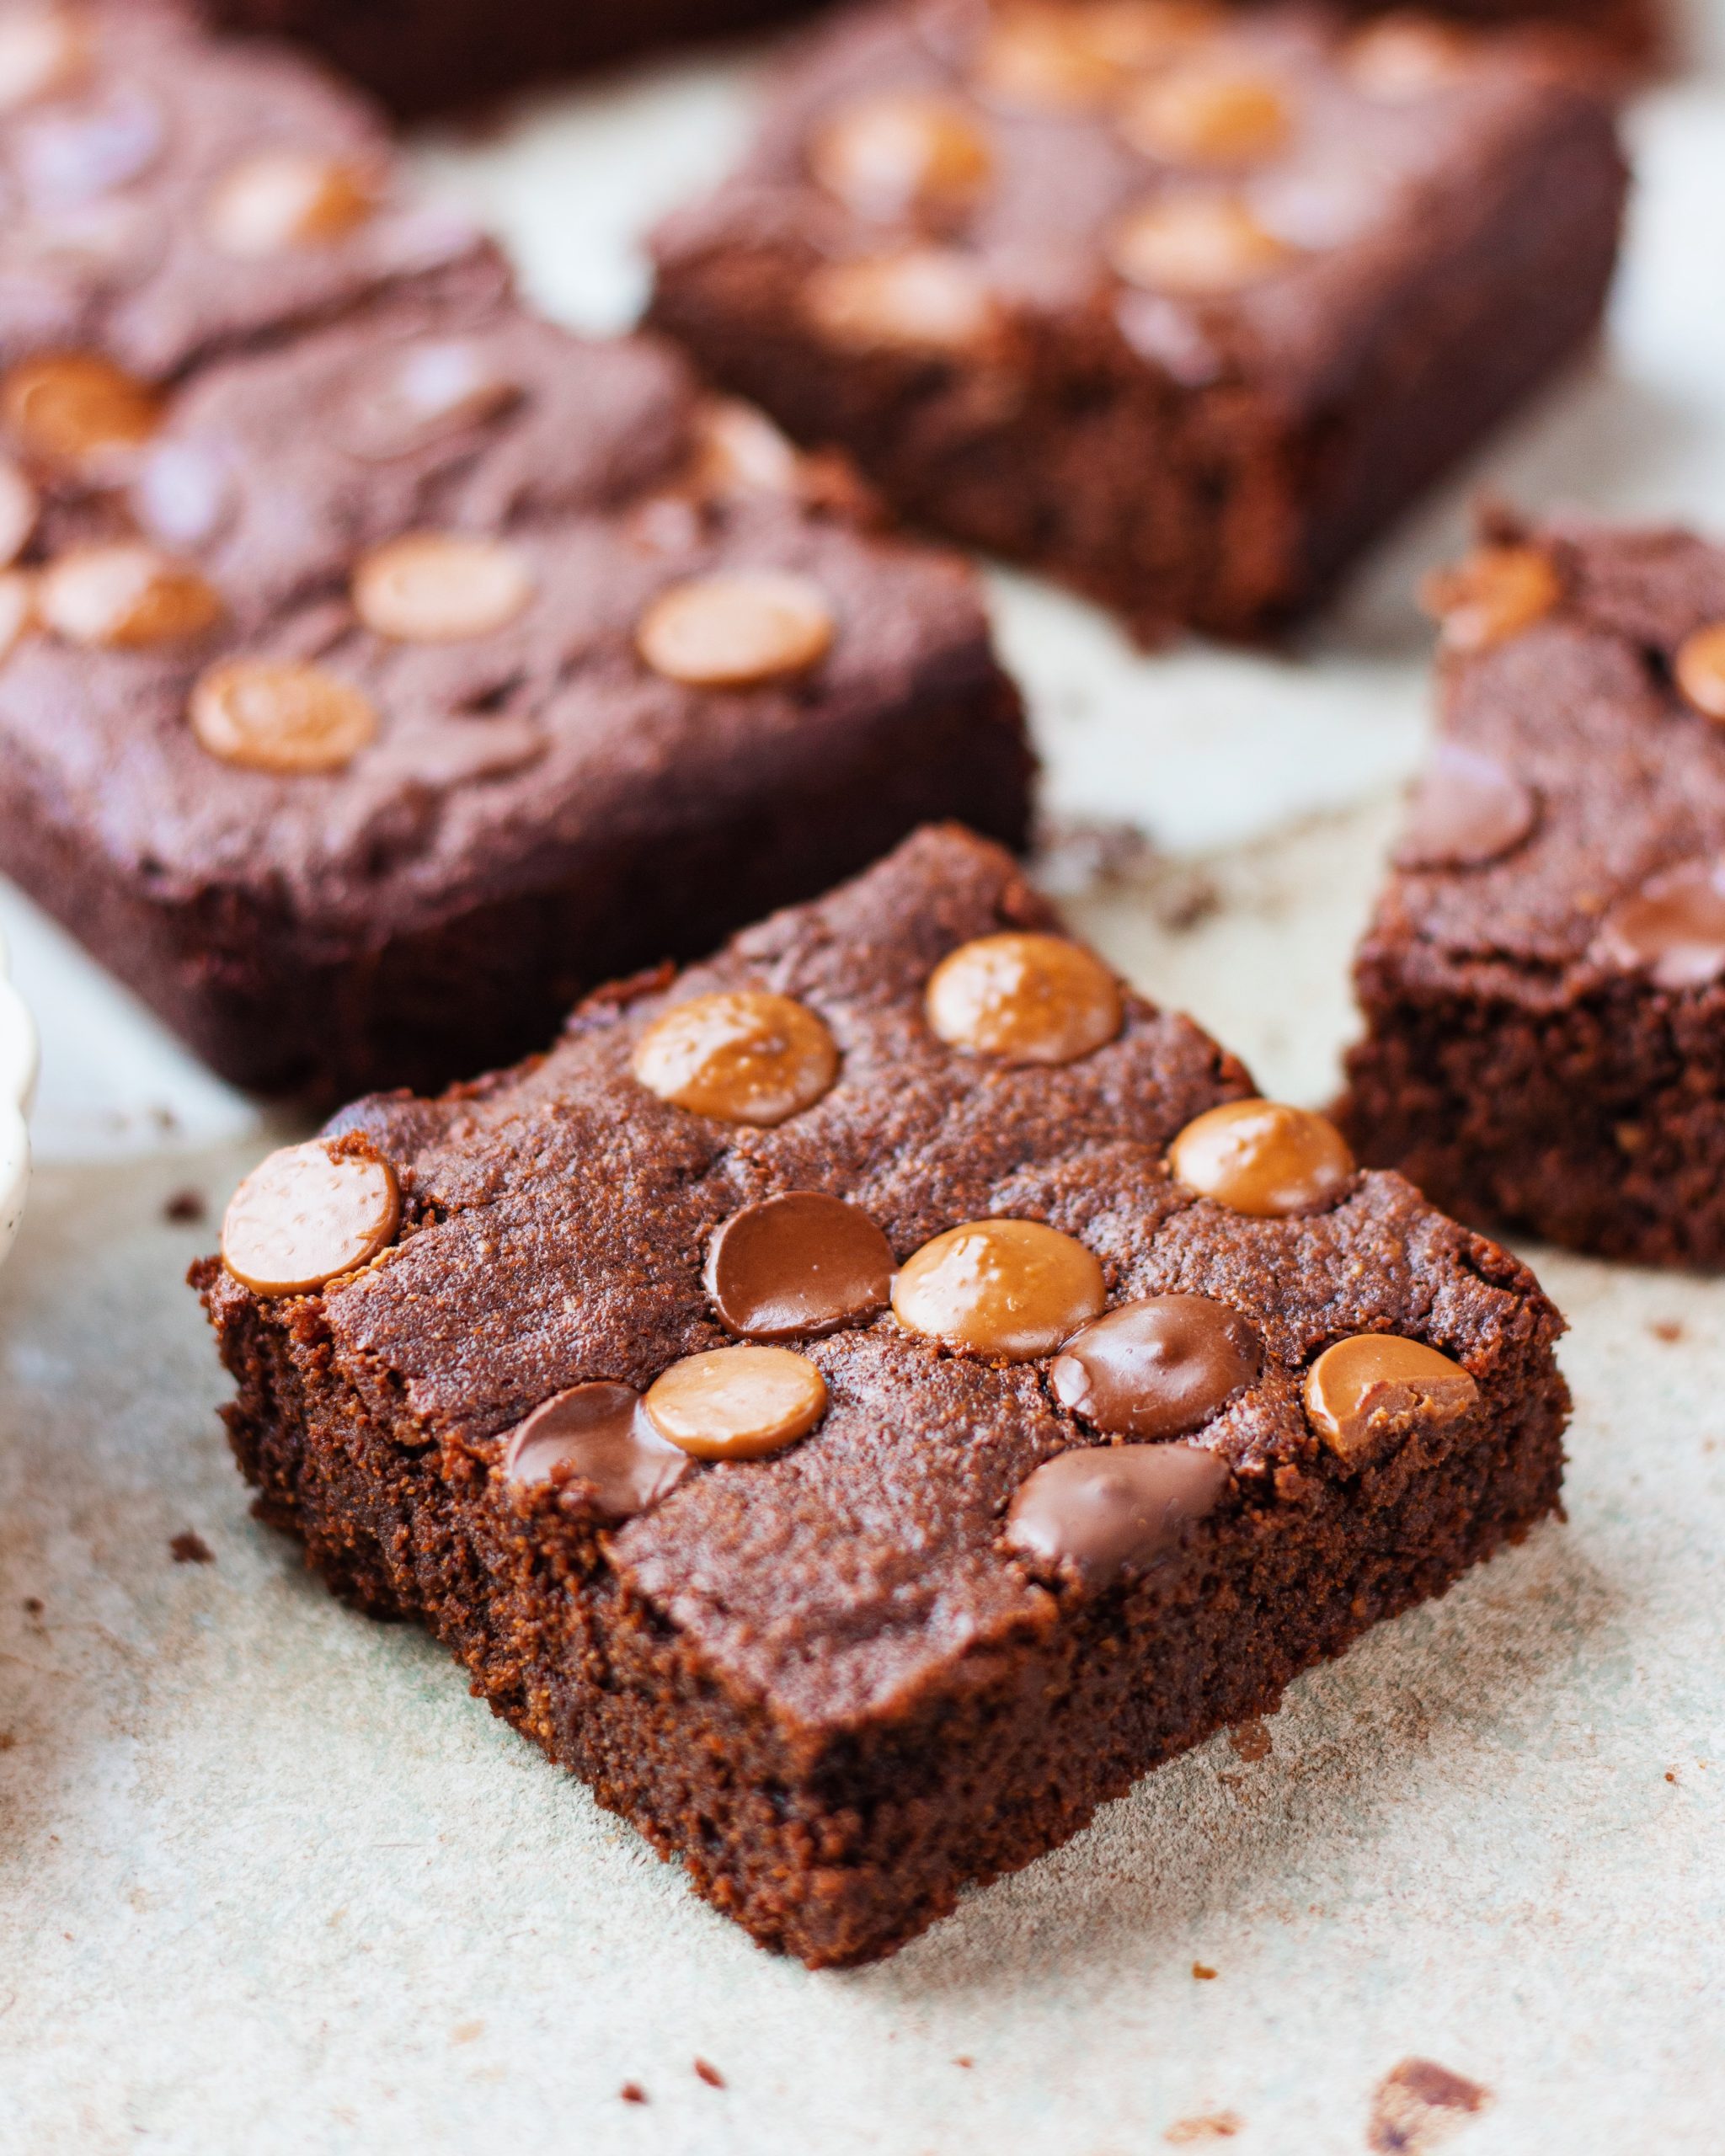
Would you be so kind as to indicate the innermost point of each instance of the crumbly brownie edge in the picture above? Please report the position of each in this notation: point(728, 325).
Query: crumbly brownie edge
point(839, 1847)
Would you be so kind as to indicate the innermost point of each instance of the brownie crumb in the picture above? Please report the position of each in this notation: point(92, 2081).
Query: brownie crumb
point(1252, 1742)
point(1208, 2125)
point(1418, 2105)
point(190, 1549)
point(1667, 1329)
point(1205, 1976)
point(632, 2092)
point(33, 1605)
point(963, 2060)
point(185, 1207)
point(709, 2074)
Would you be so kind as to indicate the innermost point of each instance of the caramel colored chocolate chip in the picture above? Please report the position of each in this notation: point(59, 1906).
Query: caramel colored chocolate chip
point(739, 451)
point(1672, 929)
point(737, 629)
point(900, 150)
point(441, 587)
point(742, 1055)
point(276, 715)
point(1064, 56)
point(1025, 999)
point(1699, 668)
point(1366, 1394)
point(1404, 58)
point(423, 395)
point(19, 508)
point(306, 1215)
point(1107, 1510)
point(284, 199)
point(126, 596)
point(1009, 1288)
point(1196, 247)
point(71, 410)
point(799, 1264)
point(595, 1443)
point(737, 1403)
point(1467, 810)
point(1263, 1158)
point(44, 52)
point(1491, 596)
point(18, 599)
point(1156, 1369)
point(926, 300)
point(1203, 113)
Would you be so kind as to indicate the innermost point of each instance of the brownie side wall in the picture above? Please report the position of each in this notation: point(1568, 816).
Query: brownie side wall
point(1598, 1123)
point(276, 1008)
point(838, 1846)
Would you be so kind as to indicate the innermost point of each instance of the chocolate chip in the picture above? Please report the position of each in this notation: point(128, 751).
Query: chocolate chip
point(1206, 113)
point(44, 52)
point(278, 715)
point(1700, 670)
point(596, 1438)
point(284, 199)
point(73, 411)
point(1673, 928)
point(1010, 1289)
point(1064, 56)
point(1196, 246)
point(742, 1055)
point(441, 587)
point(1159, 1368)
point(900, 150)
point(923, 300)
point(308, 1214)
point(737, 1403)
point(1025, 999)
point(1402, 59)
point(737, 629)
point(19, 508)
point(1105, 1510)
point(126, 596)
point(410, 400)
point(797, 1264)
point(1367, 1393)
point(1263, 1158)
point(1467, 810)
point(1491, 596)
point(739, 451)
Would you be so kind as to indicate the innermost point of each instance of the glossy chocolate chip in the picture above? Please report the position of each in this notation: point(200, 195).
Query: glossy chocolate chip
point(126, 596)
point(596, 1445)
point(798, 1265)
point(900, 150)
point(1700, 670)
point(739, 451)
point(280, 715)
point(1672, 929)
point(926, 301)
point(18, 598)
point(1106, 1511)
point(408, 400)
point(1405, 58)
point(308, 1214)
point(74, 411)
point(1366, 1394)
point(44, 53)
point(1196, 246)
point(736, 630)
point(742, 1055)
point(1024, 999)
point(441, 587)
point(281, 200)
point(1062, 56)
point(19, 508)
point(1263, 1158)
point(1468, 809)
point(1207, 114)
point(1012, 1289)
point(1491, 596)
point(737, 1403)
point(1158, 1367)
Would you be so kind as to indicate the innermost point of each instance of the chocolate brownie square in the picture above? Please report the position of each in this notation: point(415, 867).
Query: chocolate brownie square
point(1544, 983)
point(861, 1403)
point(1178, 306)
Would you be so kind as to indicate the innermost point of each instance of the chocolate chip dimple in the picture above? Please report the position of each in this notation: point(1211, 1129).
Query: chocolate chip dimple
point(410, 399)
point(741, 1056)
point(1491, 596)
point(1158, 1367)
point(900, 150)
point(308, 1214)
point(125, 597)
point(931, 301)
point(1208, 113)
point(797, 1264)
point(1699, 668)
point(1263, 1158)
point(1673, 928)
point(1024, 998)
point(279, 199)
point(1468, 809)
point(1367, 1393)
point(441, 587)
point(736, 630)
point(737, 1403)
point(1012, 1290)
point(1107, 1510)
point(280, 715)
point(73, 411)
point(1196, 245)
point(597, 1439)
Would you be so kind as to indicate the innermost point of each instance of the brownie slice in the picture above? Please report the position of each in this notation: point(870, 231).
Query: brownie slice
point(1544, 983)
point(1179, 308)
point(856, 1606)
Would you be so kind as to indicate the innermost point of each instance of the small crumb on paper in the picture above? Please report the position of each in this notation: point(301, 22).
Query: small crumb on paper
point(709, 2074)
point(632, 2092)
point(1252, 1741)
point(1208, 2125)
point(1203, 1974)
point(1418, 2105)
point(190, 1549)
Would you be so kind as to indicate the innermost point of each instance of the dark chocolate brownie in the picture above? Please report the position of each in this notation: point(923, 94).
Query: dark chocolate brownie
point(531, 1362)
point(1543, 985)
point(1178, 307)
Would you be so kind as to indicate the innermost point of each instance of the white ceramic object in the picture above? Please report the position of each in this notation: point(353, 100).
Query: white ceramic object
point(18, 1076)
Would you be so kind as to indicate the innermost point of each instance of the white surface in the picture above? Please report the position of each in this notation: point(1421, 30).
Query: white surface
point(18, 1078)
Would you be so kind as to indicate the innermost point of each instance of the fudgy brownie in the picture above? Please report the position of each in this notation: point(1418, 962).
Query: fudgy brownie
point(861, 1403)
point(1543, 985)
point(1178, 306)
point(379, 666)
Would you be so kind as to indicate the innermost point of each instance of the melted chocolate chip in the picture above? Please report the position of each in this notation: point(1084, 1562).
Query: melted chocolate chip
point(596, 1439)
point(1156, 1369)
point(1467, 811)
point(1673, 928)
point(797, 1264)
point(1108, 1509)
